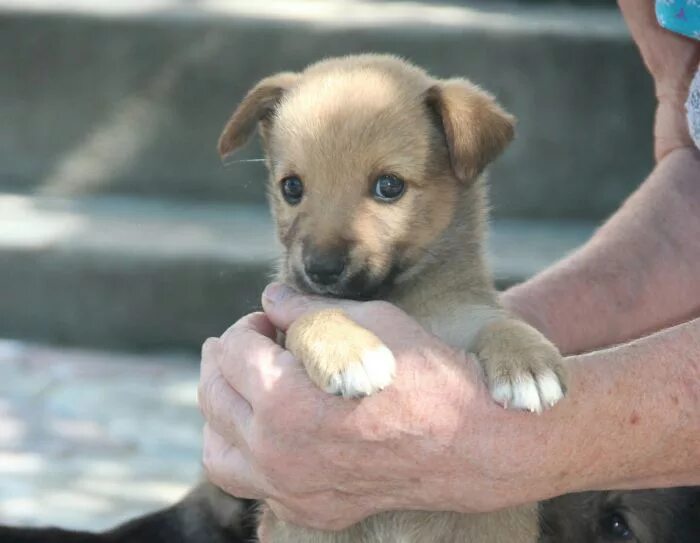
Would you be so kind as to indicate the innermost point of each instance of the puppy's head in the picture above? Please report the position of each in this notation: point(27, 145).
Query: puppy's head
point(367, 157)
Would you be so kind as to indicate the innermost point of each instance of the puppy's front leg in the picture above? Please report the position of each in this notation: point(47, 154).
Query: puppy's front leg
point(339, 355)
point(523, 369)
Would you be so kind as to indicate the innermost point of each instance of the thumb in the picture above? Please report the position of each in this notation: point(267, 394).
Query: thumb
point(283, 305)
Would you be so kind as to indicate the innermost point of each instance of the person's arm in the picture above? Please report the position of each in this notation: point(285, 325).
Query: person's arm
point(632, 419)
point(435, 440)
point(638, 273)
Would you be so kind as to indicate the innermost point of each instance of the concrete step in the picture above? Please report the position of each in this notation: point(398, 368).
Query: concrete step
point(128, 97)
point(92, 438)
point(144, 274)
point(128, 273)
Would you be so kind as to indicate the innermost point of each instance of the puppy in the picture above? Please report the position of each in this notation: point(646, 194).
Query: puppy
point(376, 190)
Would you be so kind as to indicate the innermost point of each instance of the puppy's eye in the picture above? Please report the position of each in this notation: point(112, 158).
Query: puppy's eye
point(615, 527)
point(292, 189)
point(388, 188)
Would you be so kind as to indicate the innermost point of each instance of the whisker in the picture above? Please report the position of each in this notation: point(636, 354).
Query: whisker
point(228, 163)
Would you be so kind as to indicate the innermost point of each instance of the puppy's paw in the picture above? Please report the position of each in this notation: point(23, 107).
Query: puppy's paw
point(528, 391)
point(373, 372)
point(523, 369)
point(339, 355)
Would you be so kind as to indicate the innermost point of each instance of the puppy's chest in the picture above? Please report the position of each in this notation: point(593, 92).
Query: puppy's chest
point(457, 324)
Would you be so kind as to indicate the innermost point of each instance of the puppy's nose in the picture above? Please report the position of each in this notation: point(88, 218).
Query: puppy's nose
point(325, 267)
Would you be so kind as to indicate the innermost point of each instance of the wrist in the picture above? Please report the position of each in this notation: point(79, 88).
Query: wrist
point(530, 461)
point(503, 458)
point(671, 125)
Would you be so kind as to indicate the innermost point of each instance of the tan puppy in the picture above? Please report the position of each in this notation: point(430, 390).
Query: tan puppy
point(376, 191)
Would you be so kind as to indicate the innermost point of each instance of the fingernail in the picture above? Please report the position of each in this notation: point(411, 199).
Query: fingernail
point(276, 292)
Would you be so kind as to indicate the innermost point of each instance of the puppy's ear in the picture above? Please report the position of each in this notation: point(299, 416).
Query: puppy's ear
point(256, 107)
point(476, 128)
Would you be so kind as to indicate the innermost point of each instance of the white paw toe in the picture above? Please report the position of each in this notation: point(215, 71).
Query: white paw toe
point(550, 388)
point(525, 394)
point(373, 373)
point(335, 385)
point(502, 393)
point(380, 366)
point(528, 392)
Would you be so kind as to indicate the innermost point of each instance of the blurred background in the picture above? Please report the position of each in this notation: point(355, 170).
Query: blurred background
point(124, 242)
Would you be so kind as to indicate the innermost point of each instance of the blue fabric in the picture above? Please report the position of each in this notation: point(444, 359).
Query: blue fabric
point(683, 17)
point(680, 16)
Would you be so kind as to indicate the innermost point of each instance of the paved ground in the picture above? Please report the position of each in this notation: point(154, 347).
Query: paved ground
point(81, 432)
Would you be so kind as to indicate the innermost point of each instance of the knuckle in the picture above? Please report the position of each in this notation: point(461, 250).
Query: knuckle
point(237, 488)
point(210, 462)
point(207, 394)
point(209, 346)
point(201, 399)
point(234, 487)
point(231, 334)
point(219, 475)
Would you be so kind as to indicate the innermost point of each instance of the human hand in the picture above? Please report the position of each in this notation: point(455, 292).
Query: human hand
point(672, 61)
point(433, 440)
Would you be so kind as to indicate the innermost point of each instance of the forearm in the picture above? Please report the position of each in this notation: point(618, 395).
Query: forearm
point(637, 274)
point(631, 420)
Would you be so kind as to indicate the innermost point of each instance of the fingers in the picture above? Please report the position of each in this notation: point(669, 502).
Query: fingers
point(228, 469)
point(225, 411)
point(283, 305)
point(247, 349)
point(228, 367)
point(245, 373)
point(257, 323)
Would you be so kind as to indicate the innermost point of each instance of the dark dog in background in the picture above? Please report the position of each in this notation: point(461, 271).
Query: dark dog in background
point(644, 516)
point(194, 519)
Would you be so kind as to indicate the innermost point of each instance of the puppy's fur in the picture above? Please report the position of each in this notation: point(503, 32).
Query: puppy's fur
point(338, 127)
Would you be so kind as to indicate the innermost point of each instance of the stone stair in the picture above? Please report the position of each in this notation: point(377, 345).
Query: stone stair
point(119, 227)
point(133, 273)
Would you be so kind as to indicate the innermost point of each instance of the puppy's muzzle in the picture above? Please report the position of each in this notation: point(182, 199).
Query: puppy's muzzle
point(325, 266)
